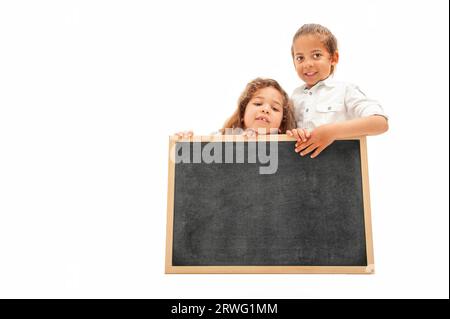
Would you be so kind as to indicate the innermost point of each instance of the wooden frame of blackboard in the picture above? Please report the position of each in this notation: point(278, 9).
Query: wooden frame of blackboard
point(170, 269)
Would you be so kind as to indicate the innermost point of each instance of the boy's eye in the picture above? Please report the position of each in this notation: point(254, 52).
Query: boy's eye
point(299, 58)
point(317, 55)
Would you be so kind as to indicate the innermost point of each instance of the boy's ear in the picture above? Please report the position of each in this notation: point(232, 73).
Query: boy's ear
point(335, 58)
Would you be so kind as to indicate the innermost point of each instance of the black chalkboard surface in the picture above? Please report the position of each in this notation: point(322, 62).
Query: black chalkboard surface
point(256, 206)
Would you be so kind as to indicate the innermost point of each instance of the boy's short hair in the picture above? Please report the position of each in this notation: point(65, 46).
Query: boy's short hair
point(326, 37)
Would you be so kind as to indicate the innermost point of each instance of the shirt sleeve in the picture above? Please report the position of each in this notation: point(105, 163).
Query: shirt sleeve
point(359, 105)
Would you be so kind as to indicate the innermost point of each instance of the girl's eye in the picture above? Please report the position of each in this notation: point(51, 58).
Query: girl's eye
point(258, 104)
point(275, 109)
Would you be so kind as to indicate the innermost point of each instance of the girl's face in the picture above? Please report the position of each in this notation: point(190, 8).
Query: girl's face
point(264, 110)
point(312, 60)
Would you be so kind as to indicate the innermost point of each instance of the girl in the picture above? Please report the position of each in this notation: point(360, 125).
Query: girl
point(326, 110)
point(263, 108)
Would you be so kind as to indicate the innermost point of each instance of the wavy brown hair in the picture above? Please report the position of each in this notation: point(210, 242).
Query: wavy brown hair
point(237, 119)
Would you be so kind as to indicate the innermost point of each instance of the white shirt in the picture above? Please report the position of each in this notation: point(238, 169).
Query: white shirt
point(330, 101)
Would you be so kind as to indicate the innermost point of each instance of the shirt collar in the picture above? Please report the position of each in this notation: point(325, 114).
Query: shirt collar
point(329, 81)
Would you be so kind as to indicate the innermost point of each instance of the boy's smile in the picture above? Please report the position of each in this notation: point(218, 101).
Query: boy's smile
point(312, 60)
point(310, 75)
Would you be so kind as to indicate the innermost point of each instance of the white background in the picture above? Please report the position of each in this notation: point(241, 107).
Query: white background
point(91, 90)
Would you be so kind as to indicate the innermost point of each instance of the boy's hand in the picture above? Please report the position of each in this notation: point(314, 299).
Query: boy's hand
point(320, 139)
point(185, 134)
point(301, 134)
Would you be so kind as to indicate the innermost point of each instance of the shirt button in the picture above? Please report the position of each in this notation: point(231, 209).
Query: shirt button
point(329, 108)
point(306, 110)
point(310, 93)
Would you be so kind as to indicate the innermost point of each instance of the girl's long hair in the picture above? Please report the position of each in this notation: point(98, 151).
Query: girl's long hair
point(237, 119)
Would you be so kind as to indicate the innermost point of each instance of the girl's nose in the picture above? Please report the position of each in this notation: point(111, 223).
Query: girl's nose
point(266, 108)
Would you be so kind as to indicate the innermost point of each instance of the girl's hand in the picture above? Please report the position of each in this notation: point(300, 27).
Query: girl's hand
point(320, 139)
point(250, 133)
point(301, 134)
point(184, 134)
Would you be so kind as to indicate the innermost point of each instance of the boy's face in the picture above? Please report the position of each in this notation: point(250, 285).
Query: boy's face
point(312, 60)
point(264, 110)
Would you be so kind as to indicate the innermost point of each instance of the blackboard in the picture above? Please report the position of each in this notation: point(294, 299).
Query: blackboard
point(232, 208)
